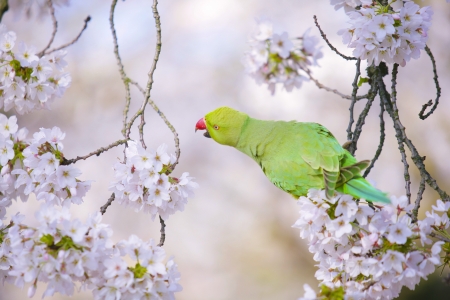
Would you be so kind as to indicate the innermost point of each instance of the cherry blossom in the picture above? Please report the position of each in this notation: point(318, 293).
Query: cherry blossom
point(143, 182)
point(62, 252)
point(368, 252)
point(276, 58)
point(29, 82)
point(394, 33)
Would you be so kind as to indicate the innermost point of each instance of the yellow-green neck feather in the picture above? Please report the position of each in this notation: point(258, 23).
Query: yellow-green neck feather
point(225, 125)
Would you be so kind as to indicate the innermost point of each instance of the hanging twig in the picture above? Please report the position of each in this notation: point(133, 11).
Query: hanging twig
point(400, 131)
point(55, 27)
point(353, 98)
point(147, 99)
point(438, 89)
point(163, 232)
point(381, 143)
point(96, 152)
point(86, 21)
point(123, 75)
point(329, 44)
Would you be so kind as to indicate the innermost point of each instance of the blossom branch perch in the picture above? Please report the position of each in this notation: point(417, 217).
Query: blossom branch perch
point(352, 105)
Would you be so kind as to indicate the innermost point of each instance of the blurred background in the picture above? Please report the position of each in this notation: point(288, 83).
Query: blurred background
point(234, 240)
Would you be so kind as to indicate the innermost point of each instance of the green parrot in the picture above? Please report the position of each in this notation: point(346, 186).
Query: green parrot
point(295, 156)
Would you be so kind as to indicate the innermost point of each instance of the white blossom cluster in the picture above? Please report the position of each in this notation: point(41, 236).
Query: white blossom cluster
point(369, 252)
point(394, 33)
point(142, 183)
point(62, 252)
point(39, 171)
point(275, 58)
point(12, 141)
point(149, 278)
point(29, 82)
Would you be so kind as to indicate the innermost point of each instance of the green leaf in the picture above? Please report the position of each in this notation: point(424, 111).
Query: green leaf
point(47, 239)
point(138, 271)
point(332, 294)
point(15, 64)
point(362, 80)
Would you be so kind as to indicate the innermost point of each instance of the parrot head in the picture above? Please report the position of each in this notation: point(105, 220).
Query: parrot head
point(224, 125)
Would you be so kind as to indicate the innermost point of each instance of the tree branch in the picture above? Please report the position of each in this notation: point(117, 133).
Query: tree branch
point(97, 153)
point(415, 211)
point(381, 144)
point(108, 203)
point(401, 133)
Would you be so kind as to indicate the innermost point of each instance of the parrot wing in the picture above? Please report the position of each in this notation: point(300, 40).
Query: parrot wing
point(306, 156)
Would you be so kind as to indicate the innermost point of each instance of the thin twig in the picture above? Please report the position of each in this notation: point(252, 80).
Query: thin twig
point(96, 152)
point(329, 44)
point(55, 28)
point(148, 89)
point(141, 131)
point(352, 105)
point(123, 75)
point(361, 120)
point(438, 89)
point(152, 69)
point(321, 86)
point(400, 137)
point(400, 131)
point(163, 232)
point(415, 211)
point(381, 144)
point(86, 21)
point(440, 237)
point(108, 203)
point(141, 89)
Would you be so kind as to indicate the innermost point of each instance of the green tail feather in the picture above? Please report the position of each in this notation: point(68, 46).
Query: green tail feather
point(348, 172)
point(361, 188)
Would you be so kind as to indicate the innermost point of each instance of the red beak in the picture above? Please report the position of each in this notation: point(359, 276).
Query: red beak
point(201, 125)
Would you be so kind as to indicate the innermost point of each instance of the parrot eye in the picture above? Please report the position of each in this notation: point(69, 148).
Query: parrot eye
point(216, 127)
